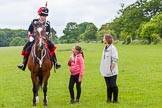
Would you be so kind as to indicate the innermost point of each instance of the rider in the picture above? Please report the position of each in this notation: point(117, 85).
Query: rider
point(43, 13)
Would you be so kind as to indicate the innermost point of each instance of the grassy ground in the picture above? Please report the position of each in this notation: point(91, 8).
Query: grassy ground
point(139, 79)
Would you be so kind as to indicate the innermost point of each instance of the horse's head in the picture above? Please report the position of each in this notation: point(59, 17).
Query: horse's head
point(40, 34)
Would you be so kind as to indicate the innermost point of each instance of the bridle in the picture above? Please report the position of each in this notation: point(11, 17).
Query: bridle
point(40, 44)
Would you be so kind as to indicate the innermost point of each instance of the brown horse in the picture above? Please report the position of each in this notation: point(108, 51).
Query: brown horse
point(39, 63)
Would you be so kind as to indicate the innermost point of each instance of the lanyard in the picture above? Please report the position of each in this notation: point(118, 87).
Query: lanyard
point(105, 50)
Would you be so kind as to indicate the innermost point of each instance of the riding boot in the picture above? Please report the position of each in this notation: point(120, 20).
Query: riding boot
point(23, 65)
point(115, 94)
point(54, 60)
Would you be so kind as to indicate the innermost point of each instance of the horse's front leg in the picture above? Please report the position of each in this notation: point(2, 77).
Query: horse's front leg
point(34, 95)
point(45, 100)
point(35, 89)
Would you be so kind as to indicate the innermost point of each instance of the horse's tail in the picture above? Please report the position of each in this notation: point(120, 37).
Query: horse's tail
point(40, 80)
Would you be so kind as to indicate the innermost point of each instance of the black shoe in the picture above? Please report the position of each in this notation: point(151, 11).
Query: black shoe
point(21, 67)
point(115, 102)
point(77, 101)
point(57, 65)
point(108, 101)
point(72, 101)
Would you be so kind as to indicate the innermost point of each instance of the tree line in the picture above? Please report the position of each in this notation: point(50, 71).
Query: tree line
point(9, 37)
point(140, 21)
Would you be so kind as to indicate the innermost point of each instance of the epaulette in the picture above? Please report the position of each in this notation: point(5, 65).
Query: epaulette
point(47, 22)
point(35, 21)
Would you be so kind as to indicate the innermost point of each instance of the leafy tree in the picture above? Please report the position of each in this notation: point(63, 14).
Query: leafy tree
point(7, 35)
point(77, 32)
point(90, 32)
point(18, 41)
point(53, 37)
point(129, 23)
point(4, 38)
point(116, 26)
point(152, 30)
point(82, 27)
point(152, 8)
point(104, 30)
point(71, 31)
point(87, 31)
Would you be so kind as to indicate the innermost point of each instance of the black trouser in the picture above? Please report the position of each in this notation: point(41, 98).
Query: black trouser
point(112, 88)
point(50, 44)
point(74, 79)
point(27, 47)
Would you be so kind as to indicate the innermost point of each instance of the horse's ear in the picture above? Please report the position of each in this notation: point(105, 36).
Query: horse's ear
point(34, 23)
point(44, 23)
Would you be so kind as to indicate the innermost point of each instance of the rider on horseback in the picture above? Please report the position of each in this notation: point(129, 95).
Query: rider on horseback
point(43, 13)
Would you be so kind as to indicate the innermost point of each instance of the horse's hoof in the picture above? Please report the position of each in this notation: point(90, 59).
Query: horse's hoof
point(45, 104)
point(34, 104)
point(37, 99)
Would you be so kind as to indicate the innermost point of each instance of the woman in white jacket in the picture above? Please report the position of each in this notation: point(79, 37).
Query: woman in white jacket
point(109, 68)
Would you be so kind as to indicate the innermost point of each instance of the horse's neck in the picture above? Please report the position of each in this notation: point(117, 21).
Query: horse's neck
point(39, 52)
point(36, 36)
point(38, 55)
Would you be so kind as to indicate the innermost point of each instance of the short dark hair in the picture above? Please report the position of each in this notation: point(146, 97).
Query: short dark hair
point(109, 38)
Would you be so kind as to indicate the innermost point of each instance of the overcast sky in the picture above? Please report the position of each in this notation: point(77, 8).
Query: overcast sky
point(18, 14)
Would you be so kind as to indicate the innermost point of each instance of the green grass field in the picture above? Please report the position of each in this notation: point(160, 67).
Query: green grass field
point(139, 79)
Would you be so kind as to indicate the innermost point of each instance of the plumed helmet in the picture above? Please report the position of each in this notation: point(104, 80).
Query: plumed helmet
point(43, 11)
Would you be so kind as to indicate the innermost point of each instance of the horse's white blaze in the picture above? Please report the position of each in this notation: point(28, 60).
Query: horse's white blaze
point(37, 99)
point(40, 42)
point(39, 29)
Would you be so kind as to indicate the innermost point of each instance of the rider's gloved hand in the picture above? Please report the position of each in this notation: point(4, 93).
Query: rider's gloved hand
point(30, 38)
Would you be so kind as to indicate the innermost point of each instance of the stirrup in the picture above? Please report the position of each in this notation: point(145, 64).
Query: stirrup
point(57, 65)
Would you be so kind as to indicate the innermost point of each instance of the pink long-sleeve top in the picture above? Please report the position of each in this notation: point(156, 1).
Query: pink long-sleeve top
point(77, 65)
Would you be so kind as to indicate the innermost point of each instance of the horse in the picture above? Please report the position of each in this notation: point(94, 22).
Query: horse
point(39, 63)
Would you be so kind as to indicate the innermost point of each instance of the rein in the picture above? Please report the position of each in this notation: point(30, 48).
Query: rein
point(43, 54)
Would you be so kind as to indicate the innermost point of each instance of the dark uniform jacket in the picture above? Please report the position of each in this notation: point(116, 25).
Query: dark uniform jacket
point(28, 45)
point(31, 27)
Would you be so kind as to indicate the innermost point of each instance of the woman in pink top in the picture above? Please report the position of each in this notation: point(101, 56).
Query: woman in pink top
point(76, 67)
